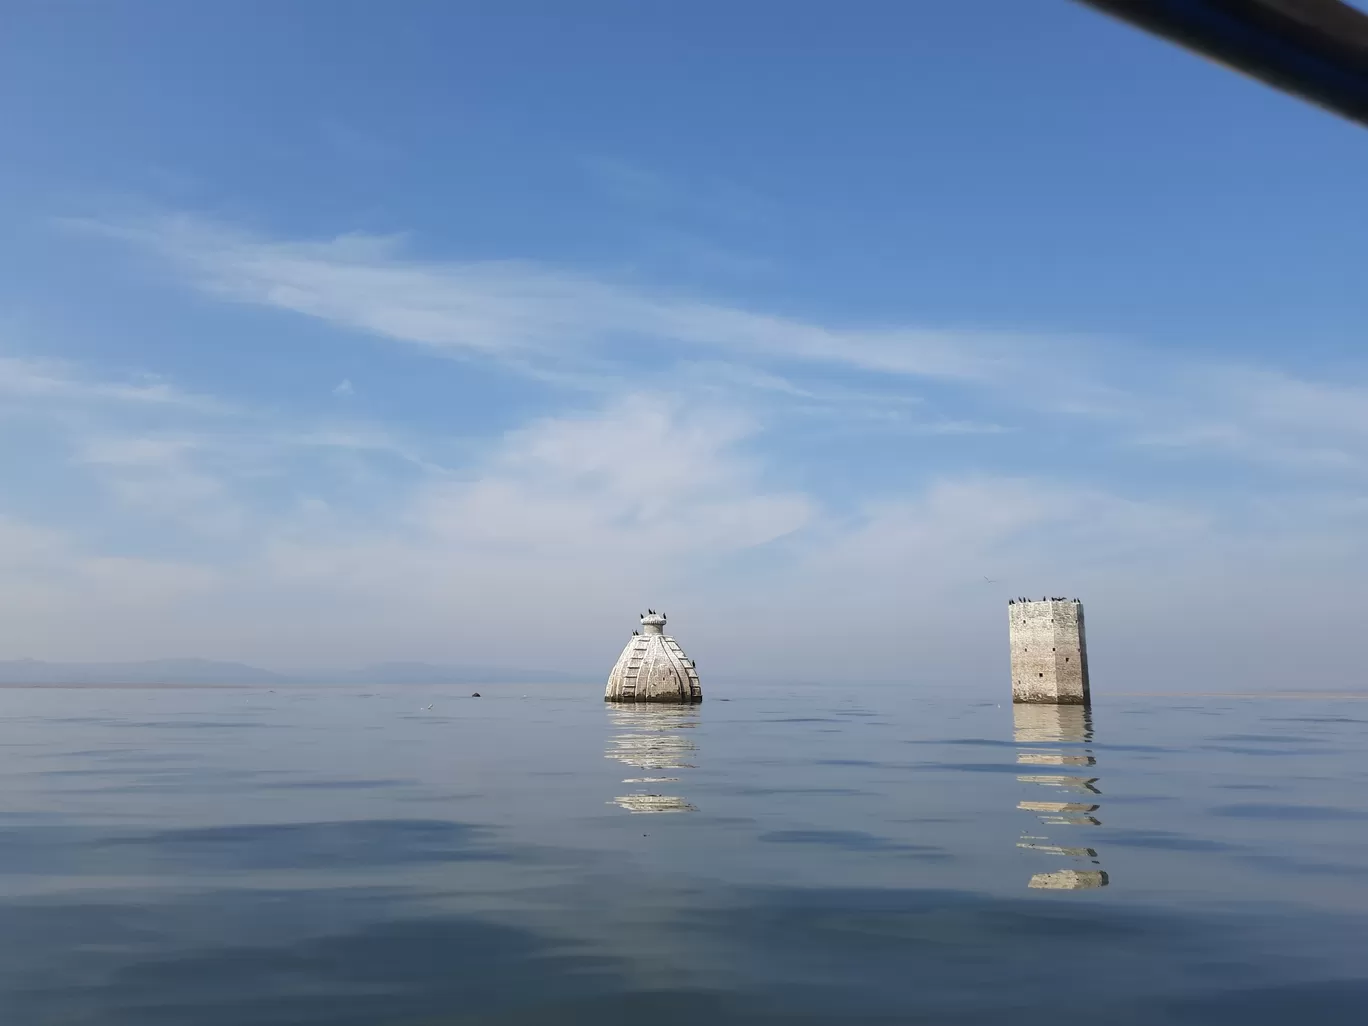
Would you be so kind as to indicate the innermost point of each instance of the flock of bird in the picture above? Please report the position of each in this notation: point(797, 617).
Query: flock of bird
point(1052, 598)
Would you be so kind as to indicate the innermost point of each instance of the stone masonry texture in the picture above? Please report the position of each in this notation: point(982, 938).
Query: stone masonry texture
point(653, 668)
point(1049, 652)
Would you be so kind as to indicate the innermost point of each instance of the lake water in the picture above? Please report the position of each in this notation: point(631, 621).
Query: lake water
point(216, 857)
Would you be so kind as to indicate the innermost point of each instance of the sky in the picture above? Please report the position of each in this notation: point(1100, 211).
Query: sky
point(339, 332)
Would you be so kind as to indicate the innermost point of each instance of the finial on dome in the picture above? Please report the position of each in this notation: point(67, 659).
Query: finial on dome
point(653, 622)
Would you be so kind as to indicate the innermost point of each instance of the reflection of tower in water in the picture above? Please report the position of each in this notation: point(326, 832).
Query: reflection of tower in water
point(1059, 735)
point(653, 741)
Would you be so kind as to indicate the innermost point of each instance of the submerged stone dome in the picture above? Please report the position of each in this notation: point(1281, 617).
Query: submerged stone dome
point(653, 668)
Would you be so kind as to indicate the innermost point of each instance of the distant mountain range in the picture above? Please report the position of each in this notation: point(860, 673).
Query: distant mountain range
point(207, 671)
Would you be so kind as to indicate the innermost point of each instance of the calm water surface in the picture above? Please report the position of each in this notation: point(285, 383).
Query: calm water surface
point(218, 857)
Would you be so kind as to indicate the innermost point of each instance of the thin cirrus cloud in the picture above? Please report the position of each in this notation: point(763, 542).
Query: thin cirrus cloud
point(24, 379)
point(553, 514)
point(566, 327)
point(554, 505)
point(517, 309)
point(388, 541)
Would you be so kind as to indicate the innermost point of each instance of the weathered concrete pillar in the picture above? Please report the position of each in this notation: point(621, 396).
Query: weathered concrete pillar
point(653, 668)
point(1049, 652)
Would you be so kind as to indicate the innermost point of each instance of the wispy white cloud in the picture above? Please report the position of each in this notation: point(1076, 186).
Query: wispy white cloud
point(660, 488)
point(216, 482)
point(514, 310)
point(567, 497)
point(184, 461)
point(549, 510)
point(28, 379)
point(1005, 523)
point(1258, 415)
point(574, 329)
point(540, 544)
point(65, 595)
point(162, 477)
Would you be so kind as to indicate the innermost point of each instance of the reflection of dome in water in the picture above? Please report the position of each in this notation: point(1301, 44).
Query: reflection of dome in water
point(1069, 880)
point(653, 668)
point(650, 741)
point(652, 803)
point(651, 751)
point(652, 738)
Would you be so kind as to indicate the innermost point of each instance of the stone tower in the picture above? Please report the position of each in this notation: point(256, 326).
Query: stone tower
point(653, 668)
point(1049, 651)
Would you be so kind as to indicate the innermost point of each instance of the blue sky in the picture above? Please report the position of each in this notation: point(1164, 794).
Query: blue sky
point(343, 332)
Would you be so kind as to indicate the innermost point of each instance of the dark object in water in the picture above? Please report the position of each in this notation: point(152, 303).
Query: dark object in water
point(475, 695)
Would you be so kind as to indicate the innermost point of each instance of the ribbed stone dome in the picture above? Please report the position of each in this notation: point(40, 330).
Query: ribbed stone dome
point(653, 668)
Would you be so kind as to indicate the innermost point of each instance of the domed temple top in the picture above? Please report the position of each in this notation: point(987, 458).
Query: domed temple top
point(653, 668)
